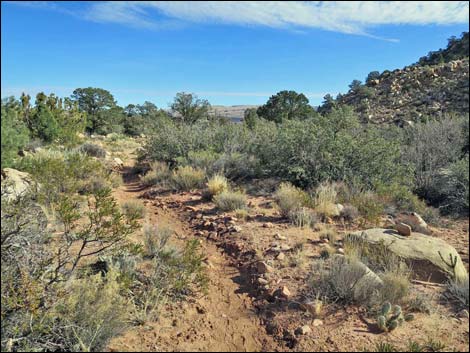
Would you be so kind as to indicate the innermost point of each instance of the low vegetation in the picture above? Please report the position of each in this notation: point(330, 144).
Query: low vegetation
point(230, 200)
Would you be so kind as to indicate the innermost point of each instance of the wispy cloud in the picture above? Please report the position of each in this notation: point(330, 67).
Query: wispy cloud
point(351, 17)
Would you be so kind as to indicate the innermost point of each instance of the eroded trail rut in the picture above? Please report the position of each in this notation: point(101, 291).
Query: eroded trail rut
point(222, 320)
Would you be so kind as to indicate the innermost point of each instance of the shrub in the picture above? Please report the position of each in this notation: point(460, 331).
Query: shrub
point(60, 173)
point(329, 232)
point(187, 178)
point(396, 286)
point(216, 185)
point(92, 313)
point(159, 173)
point(289, 198)
point(369, 205)
point(93, 150)
point(349, 213)
point(338, 278)
point(325, 200)
point(428, 150)
point(14, 135)
point(204, 160)
point(230, 200)
point(133, 209)
point(156, 238)
point(459, 292)
point(303, 217)
point(241, 213)
point(453, 184)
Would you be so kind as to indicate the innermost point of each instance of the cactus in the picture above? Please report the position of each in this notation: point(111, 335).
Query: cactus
point(386, 308)
point(451, 263)
point(392, 317)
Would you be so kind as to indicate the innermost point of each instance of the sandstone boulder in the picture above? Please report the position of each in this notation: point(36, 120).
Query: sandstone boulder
point(430, 258)
point(15, 183)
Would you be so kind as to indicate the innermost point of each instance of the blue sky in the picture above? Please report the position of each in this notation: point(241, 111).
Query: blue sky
point(228, 53)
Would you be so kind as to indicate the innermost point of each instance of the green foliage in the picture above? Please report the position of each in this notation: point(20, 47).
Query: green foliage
point(190, 108)
point(143, 119)
point(60, 173)
point(92, 313)
point(457, 48)
point(14, 133)
point(286, 105)
point(230, 200)
point(187, 178)
point(100, 107)
point(216, 185)
point(392, 317)
point(429, 152)
point(250, 118)
point(159, 173)
point(133, 209)
point(43, 124)
point(92, 150)
point(303, 217)
point(290, 198)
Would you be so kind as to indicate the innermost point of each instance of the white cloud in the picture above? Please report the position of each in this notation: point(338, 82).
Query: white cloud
point(354, 17)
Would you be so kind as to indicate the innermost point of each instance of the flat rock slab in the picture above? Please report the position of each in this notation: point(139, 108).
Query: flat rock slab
point(429, 257)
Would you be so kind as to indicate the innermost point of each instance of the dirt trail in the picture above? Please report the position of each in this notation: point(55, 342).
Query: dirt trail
point(222, 320)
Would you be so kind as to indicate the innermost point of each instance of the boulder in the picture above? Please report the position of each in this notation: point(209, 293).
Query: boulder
point(403, 229)
point(430, 258)
point(415, 221)
point(15, 183)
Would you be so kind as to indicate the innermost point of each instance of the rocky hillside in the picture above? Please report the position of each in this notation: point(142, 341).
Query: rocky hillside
point(436, 85)
point(410, 94)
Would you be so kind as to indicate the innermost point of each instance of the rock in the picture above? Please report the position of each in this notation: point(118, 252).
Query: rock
point(236, 229)
point(339, 208)
point(279, 236)
point(268, 225)
point(15, 183)
point(263, 267)
point(280, 256)
point(303, 330)
point(117, 163)
point(429, 257)
point(317, 322)
point(283, 292)
point(340, 251)
point(262, 281)
point(403, 229)
point(415, 221)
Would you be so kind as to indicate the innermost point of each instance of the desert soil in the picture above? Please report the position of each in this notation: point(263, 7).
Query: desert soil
point(238, 314)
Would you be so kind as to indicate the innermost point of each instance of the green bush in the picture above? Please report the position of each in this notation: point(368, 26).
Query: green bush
point(289, 198)
point(14, 134)
point(92, 150)
point(92, 313)
point(216, 185)
point(60, 172)
point(159, 173)
point(134, 209)
point(303, 217)
point(187, 178)
point(230, 200)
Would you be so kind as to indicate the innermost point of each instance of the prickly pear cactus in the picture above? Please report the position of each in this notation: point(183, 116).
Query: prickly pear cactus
point(392, 317)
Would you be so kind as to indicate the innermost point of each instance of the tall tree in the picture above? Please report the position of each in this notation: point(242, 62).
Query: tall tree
point(189, 107)
point(286, 105)
point(95, 102)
